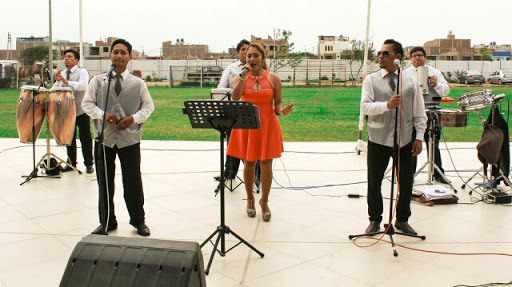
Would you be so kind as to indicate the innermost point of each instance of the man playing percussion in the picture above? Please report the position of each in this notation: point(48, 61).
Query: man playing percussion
point(437, 87)
point(379, 100)
point(129, 106)
point(77, 79)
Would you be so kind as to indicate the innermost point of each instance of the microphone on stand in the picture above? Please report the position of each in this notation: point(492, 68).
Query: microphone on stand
point(109, 73)
point(396, 62)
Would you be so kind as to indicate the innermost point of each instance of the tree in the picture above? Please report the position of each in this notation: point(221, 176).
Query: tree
point(356, 54)
point(284, 55)
point(486, 55)
point(33, 54)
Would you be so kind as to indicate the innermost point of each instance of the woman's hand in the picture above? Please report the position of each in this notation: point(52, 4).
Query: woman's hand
point(286, 110)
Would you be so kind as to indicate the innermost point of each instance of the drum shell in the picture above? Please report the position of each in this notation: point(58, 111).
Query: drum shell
point(28, 115)
point(62, 115)
point(453, 118)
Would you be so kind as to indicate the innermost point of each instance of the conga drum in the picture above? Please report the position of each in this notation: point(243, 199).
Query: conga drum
point(453, 118)
point(30, 112)
point(62, 114)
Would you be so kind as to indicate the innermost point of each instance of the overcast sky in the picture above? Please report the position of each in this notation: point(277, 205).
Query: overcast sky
point(222, 23)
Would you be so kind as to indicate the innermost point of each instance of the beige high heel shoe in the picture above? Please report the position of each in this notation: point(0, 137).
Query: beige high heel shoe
point(265, 215)
point(250, 209)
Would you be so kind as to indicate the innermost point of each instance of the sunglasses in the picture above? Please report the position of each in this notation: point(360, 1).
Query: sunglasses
point(384, 53)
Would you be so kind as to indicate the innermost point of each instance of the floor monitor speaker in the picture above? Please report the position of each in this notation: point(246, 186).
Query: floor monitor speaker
point(100, 260)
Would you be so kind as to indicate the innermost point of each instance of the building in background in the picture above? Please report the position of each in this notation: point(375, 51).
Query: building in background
point(271, 45)
point(333, 47)
point(450, 49)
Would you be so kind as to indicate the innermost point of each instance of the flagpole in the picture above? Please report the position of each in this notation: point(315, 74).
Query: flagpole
point(81, 41)
point(361, 146)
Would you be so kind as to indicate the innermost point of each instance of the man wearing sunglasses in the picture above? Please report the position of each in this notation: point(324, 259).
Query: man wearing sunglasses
point(379, 100)
point(437, 87)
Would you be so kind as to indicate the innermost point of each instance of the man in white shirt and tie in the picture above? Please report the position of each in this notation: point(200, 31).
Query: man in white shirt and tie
point(77, 79)
point(379, 101)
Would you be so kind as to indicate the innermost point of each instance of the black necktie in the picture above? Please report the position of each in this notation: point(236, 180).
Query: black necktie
point(391, 80)
point(68, 75)
point(118, 87)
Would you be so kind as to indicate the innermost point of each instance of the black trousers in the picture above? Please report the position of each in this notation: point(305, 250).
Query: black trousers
point(132, 181)
point(377, 160)
point(84, 128)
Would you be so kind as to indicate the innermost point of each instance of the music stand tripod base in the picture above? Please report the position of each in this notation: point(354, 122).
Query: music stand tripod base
point(222, 116)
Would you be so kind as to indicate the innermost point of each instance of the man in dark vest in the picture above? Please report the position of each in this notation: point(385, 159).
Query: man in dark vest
point(129, 106)
point(379, 101)
point(77, 79)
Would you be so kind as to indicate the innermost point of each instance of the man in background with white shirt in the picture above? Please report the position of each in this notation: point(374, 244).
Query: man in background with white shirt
point(77, 79)
point(437, 87)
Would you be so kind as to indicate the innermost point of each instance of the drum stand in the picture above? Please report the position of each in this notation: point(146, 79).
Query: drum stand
point(434, 119)
point(44, 162)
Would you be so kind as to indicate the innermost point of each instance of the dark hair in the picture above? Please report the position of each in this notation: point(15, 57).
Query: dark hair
point(416, 49)
point(262, 51)
point(241, 43)
point(75, 53)
point(123, 42)
point(397, 47)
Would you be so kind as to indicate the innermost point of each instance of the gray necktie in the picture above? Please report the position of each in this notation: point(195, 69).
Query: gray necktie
point(118, 86)
point(68, 75)
point(391, 80)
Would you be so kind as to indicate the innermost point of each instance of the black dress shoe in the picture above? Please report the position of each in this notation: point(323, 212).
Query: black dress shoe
point(441, 180)
point(67, 168)
point(142, 229)
point(373, 227)
point(100, 230)
point(89, 169)
point(405, 228)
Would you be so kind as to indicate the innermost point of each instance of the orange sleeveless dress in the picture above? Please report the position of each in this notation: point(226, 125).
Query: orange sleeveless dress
point(258, 144)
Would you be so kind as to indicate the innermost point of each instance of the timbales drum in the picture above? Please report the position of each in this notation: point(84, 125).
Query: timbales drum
point(475, 101)
point(62, 114)
point(453, 118)
point(30, 111)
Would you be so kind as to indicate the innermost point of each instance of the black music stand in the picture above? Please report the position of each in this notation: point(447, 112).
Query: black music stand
point(224, 94)
point(222, 116)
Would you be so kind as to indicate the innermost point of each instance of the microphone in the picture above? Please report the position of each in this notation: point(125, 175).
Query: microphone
point(109, 73)
point(499, 97)
point(396, 62)
point(245, 70)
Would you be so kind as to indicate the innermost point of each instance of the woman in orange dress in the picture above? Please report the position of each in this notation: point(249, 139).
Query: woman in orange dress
point(264, 90)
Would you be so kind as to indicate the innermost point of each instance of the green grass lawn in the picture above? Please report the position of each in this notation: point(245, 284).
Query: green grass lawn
point(321, 114)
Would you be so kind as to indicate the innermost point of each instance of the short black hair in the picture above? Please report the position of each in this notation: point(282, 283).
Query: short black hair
point(123, 42)
point(416, 49)
point(241, 43)
point(75, 53)
point(397, 47)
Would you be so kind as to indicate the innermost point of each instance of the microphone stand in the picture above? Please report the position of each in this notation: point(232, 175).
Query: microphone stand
point(389, 228)
point(101, 169)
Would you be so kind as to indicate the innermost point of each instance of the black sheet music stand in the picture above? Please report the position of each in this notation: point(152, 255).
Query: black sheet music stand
point(224, 94)
point(222, 116)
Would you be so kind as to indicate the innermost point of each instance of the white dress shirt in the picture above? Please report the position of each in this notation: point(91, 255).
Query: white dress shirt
point(370, 107)
point(442, 88)
point(81, 85)
point(229, 75)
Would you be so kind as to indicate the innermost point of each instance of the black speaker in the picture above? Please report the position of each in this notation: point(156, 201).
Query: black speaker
point(100, 260)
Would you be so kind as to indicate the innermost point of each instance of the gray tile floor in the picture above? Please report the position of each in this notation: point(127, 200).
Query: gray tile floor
point(305, 244)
